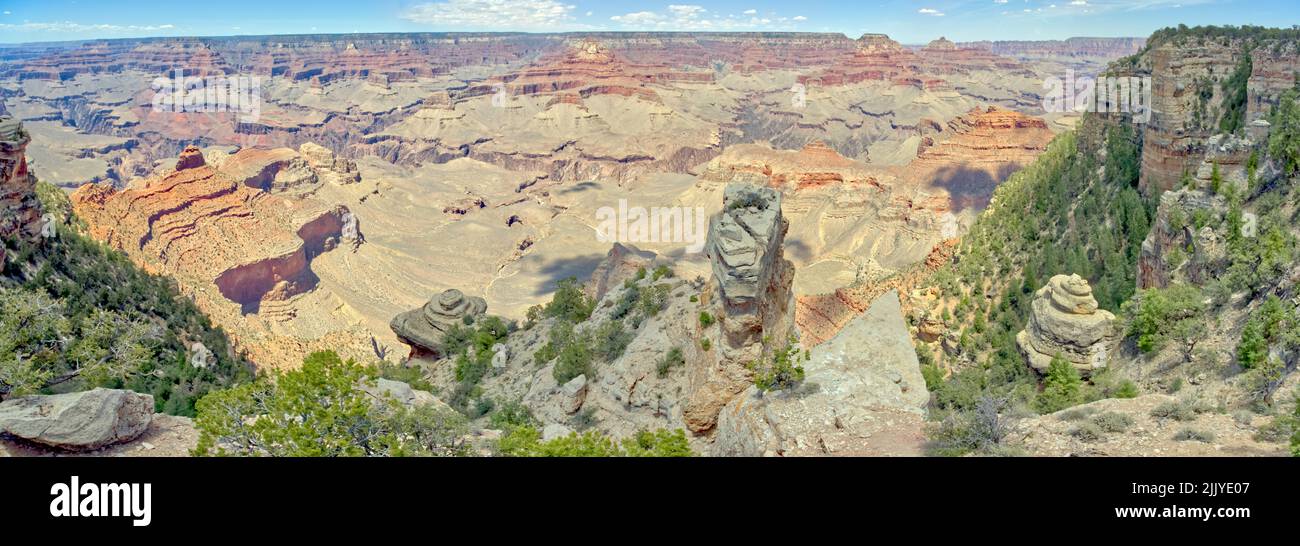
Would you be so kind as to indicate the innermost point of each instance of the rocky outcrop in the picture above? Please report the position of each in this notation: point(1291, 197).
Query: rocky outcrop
point(79, 421)
point(863, 395)
point(1065, 321)
point(1165, 257)
point(190, 158)
point(402, 393)
point(1188, 98)
point(620, 264)
point(219, 225)
point(752, 280)
point(333, 170)
point(20, 212)
point(424, 328)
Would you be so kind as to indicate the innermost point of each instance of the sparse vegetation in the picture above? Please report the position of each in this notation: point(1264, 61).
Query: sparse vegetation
point(320, 410)
point(80, 315)
point(1112, 422)
point(781, 370)
point(674, 359)
point(1194, 435)
point(527, 442)
point(1177, 411)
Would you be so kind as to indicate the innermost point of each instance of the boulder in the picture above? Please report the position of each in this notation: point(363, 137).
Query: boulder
point(574, 393)
point(79, 421)
point(862, 395)
point(500, 356)
point(424, 328)
point(402, 393)
point(555, 430)
point(1065, 320)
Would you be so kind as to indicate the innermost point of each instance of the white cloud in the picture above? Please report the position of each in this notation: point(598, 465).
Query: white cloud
point(1079, 3)
point(492, 14)
point(693, 17)
point(999, 1)
point(71, 27)
point(931, 12)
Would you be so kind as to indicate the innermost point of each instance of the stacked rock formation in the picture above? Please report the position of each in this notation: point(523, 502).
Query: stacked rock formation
point(753, 280)
point(424, 328)
point(1065, 321)
point(19, 210)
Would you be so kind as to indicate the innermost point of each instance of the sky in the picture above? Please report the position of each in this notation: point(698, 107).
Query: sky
point(909, 21)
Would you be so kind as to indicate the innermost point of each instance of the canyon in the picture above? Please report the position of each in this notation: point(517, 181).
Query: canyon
point(378, 171)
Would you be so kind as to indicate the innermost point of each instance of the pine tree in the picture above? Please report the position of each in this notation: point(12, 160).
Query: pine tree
point(1061, 388)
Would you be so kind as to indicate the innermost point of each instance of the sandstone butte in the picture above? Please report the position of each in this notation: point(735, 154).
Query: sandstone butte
point(217, 227)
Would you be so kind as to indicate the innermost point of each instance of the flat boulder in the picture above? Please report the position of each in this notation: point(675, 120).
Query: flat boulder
point(79, 421)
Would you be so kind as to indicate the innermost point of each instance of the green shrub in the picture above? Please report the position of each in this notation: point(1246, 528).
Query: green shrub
point(781, 370)
point(569, 302)
point(705, 344)
point(663, 271)
point(1061, 388)
point(612, 340)
point(706, 319)
point(1160, 314)
point(1112, 421)
point(320, 410)
point(1193, 435)
point(511, 414)
point(1177, 411)
point(527, 442)
point(673, 359)
point(1087, 432)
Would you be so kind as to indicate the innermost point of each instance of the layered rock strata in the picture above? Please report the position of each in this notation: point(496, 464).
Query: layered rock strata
point(753, 281)
point(219, 226)
point(1065, 321)
point(20, 212)
point(424, 328)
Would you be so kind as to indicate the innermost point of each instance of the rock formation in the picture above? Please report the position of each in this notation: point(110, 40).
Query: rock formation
point(620, 264)
point(20, 212)
point(1186, 96)
point(79, 421)
point(752, 280)
point(863, 395)
point(424, 328)
point(1065, 321)
point(1165, 253)
point(218, 225)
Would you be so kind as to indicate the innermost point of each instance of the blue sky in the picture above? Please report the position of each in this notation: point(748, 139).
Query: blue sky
point(910, 21)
